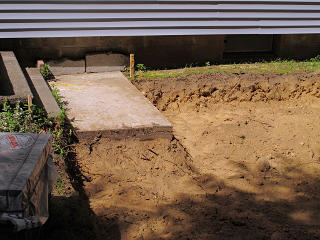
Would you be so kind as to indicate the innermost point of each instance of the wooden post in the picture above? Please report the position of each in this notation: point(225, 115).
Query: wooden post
point(29, 102)
point(131, 65)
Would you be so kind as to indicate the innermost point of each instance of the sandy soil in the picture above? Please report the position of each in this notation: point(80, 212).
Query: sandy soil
point(243, 163)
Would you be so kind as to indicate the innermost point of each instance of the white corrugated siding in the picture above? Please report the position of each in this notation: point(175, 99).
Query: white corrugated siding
point(75, 18)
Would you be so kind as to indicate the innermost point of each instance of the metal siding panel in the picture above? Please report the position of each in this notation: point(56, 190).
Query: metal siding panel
point(153, 24)
point(150, 32)
point(75, 18)
point(158, 15)
point(155, 7)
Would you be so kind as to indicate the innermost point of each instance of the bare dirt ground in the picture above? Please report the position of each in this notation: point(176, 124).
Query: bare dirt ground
point(244, 162)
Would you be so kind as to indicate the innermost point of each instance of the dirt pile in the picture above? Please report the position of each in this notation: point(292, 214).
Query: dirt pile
point(130, 181)
point(199, 91)
point(244, 162)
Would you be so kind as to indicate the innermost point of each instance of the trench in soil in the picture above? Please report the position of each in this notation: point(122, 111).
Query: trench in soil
point(243, 163)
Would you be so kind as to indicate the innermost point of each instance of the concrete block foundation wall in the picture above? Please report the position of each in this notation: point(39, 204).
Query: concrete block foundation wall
point(152, 51)
point(162, 51)
point(300, 46)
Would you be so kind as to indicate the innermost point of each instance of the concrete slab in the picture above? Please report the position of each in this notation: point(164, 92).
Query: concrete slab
point(43, 95)
point(66, 66)
point(104, 62)
point(107, 103)
point(13, 84)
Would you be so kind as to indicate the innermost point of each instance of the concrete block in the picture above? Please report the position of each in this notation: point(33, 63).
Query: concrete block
point(13, 84)
point(88, 41)
point(52, 52)
point(110, 104)
point(106, 62)
point(298, 46)
point(66, 66)
point(62, 42)
point(43, 95)
point(33, 43)
point(75, 52)
point(154, 52)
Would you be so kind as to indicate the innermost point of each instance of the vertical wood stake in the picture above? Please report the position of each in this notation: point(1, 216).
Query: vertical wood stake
point(29, 102)
point(131, 65)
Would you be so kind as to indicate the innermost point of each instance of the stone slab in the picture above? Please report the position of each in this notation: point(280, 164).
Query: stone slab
point(109, 104)
point(13, 85)
point(104, 62)
point(43, 93)
point(66, 66)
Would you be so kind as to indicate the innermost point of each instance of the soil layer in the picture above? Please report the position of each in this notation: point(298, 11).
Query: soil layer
point(243, 163)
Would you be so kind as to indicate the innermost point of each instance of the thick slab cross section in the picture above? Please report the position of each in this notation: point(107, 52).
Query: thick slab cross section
point(108, 103)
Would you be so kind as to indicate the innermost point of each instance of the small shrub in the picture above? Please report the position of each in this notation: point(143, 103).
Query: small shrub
point(208, 64)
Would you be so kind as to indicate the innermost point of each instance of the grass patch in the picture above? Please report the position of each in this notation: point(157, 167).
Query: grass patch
point(273, 67)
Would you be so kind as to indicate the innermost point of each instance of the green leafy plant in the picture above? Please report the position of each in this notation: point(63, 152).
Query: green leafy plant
point(45, 72)
point(56, 94)
point(141, 67)
point(208, 64)
point(315, 59)
point(17, 118)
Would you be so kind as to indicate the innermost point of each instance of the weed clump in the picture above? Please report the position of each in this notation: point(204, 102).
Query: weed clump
point(18, 118)
point(141, 67)
point(21, 118)
point(45, 72)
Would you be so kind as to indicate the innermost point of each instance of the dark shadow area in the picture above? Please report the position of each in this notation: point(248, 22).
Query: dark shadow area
point(71, 217)
point(247, 57)
point(227, 213)
point(219, 211)
point(6, 88)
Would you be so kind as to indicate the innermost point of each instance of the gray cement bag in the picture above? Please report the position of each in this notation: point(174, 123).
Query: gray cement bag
point(26, 177)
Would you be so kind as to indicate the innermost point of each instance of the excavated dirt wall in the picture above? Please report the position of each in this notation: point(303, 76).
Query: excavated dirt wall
point(244, 162)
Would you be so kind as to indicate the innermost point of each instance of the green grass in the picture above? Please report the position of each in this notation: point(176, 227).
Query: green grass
point(273, 67)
